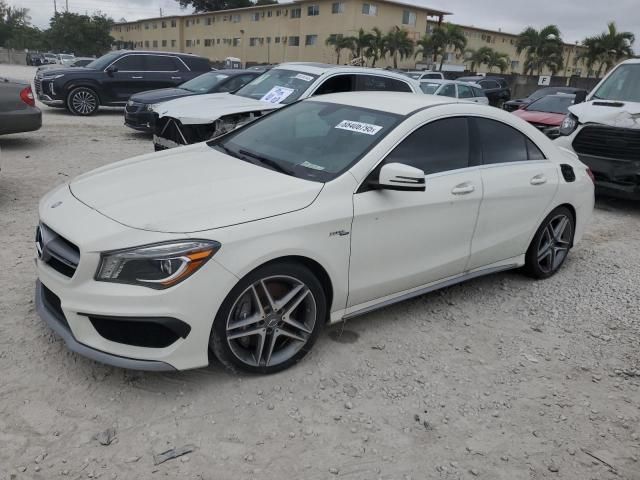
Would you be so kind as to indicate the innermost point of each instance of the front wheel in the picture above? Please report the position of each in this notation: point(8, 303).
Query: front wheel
point(83, 101)
point(270, 320)
point(551, 244)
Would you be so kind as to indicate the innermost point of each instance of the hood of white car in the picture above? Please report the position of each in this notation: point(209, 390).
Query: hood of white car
point(190, 189)
point(606, 112)
point(201, 109)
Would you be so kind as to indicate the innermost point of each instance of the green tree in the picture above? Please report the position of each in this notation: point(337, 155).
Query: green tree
point(594, 54)
point(425, 47)
point(360, 42)
point(80, 34)
point(448, 36)
point(339, 43)
point(213, 5)
point(543, 48)
point(615, 46)
point(11, 20)
point(398, 44)
point(377, 48)
point(497, 59)
point(478, 57)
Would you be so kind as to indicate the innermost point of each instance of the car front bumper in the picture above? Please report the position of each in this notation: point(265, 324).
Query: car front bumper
point(141, 121)
point(80, 302)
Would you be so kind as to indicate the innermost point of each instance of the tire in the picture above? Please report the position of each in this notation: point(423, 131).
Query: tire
point(277, 329)
point(551, 244)
point(83, 101)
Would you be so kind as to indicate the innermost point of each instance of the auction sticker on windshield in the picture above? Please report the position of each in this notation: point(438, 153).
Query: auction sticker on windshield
point(359, 127)
point(277, 94)
point(302, 76)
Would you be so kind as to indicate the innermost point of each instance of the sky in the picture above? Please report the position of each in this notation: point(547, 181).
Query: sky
point(576, 18)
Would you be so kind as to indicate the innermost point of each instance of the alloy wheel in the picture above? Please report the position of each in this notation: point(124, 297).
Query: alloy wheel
point(271, 321)
point(555, 243)
point(84, 102)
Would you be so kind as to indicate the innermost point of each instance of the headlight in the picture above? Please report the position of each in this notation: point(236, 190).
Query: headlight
point(159, 266)
point(152, 108)
point(569, 125)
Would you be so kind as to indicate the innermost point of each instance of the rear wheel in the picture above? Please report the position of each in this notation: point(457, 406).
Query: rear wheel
point(270, 320)
point(83, 101)
point(551, 244)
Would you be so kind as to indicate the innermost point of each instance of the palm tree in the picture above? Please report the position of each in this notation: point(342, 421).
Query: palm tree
point(478, 57)
point(339, 43)
point(497, 59)
point(360, 42)
point(543, 48)
point(445, 37)
point(425, 47)
point(377, 48)
point(616, 45)
point(593, 54)
point(398, 44)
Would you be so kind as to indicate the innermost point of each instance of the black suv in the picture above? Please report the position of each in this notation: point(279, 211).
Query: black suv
point(495, 88)
point(111, 79)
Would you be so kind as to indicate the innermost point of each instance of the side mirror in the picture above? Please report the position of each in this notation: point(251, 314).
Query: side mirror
point(581, 96)
point(400, 177)
point(111, 70)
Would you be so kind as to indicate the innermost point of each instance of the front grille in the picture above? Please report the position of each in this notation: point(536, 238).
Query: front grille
point(37, 82)
point(171, 129)
point(133, 107)
point(140, 332)
point(56, 251)
point(52, 304)
point(608, 142)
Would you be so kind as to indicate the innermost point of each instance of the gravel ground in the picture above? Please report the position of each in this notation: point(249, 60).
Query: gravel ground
point(499, 378)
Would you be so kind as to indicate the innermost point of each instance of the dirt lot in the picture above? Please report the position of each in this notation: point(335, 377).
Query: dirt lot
point(499, 378)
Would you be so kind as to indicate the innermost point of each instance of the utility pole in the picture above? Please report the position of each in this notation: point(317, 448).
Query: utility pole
point(161, 11)
point(55, 8)
point(67, 5)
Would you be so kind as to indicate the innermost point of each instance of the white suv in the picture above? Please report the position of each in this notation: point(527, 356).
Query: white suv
point(190, 120)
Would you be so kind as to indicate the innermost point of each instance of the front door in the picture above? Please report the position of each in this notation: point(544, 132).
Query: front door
point(402, 240)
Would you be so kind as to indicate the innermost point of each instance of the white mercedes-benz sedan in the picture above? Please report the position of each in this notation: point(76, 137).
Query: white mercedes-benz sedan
point(249, 244)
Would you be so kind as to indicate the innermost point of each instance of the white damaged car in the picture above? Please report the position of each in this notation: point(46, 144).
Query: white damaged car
point(188, 120)
point(604, 131)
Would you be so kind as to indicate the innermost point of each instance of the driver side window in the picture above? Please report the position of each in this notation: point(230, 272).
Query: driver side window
point(131, 63)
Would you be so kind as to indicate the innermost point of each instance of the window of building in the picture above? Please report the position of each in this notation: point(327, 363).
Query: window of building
point(173, 43)
point(253, 41)
point(164, 24)
point(218, 41)
point(155, 26)
point(155, 44)
point(146, 26)
point(296, 12)
point(236, 18)
point(337, 7)
point(313, 10)
point(208, 42)
point(198, 21)
point(146, 43)
point(198, 41)
point(409, 18)
point(311, 40)
point(236, 41)
point(173, 23)
point(369, 9)
point(255, 17)
point(294, 41)
point(277, 39)
point(209, 20)
point(187, 23)
point(188, 43)
point(270, 13)
point(440, 146)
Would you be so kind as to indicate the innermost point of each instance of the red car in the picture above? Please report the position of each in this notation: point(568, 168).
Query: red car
point(547, 113)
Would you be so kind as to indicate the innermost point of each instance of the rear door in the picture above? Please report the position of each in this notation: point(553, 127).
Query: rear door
point(163, 71)
point(448, 90)
point(466, 93)
point(519, 184)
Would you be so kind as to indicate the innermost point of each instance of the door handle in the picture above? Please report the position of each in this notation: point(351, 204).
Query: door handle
point(539, 179)
point(176, 78)
point(136, 78)
point(463, 188)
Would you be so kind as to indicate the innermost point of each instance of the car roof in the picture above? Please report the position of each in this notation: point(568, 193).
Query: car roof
point(233, 71)
point(399, 103)
point(631, 60)
point(158, 52)
point(445, 81)
point(322, 68)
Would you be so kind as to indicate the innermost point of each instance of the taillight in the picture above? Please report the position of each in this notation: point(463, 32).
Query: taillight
point(26, 95)
point(591, 175)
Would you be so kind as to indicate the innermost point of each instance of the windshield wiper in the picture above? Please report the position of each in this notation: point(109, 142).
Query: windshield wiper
point(268, 162)
point(228, 151)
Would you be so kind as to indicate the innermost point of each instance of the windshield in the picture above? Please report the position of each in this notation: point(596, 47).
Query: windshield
point(622, 85)
point(102, 62)
point(311, 140)
point(64, 56)
point(204, 82)
point(552, 104)
point(278, 86)
point(429, 88)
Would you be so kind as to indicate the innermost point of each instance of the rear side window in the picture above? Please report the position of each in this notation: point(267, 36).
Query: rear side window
point(465, 92)
point(198, 64)
point(375, 83)
point(439, 146)
point(160, 63)
point(337, 84)
point(448, 90)
point(131, 63)
point(478, 92)
point(488, 84)
point(504, 144)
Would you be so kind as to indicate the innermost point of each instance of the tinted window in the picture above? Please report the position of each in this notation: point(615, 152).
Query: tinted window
point(337, 84)
point(374, 83)
point(448, 91)
point(534, 152)
point(432, 75)
point(465, 92)
point(131, 63)
point(502, 143)
point(157, 63)
point(487, 84)
point(437, 147)
point(478, 92)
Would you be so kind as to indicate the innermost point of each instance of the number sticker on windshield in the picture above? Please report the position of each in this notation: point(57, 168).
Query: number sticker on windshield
point(302, 76)
point(277, 94)
point(311, 165)
point(359, 127)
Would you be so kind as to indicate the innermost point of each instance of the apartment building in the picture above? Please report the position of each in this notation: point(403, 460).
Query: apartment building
point(505, 42)
point(286, 32)
point(298, 30)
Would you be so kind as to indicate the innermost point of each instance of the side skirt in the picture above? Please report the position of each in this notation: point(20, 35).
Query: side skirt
point(423, 290)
